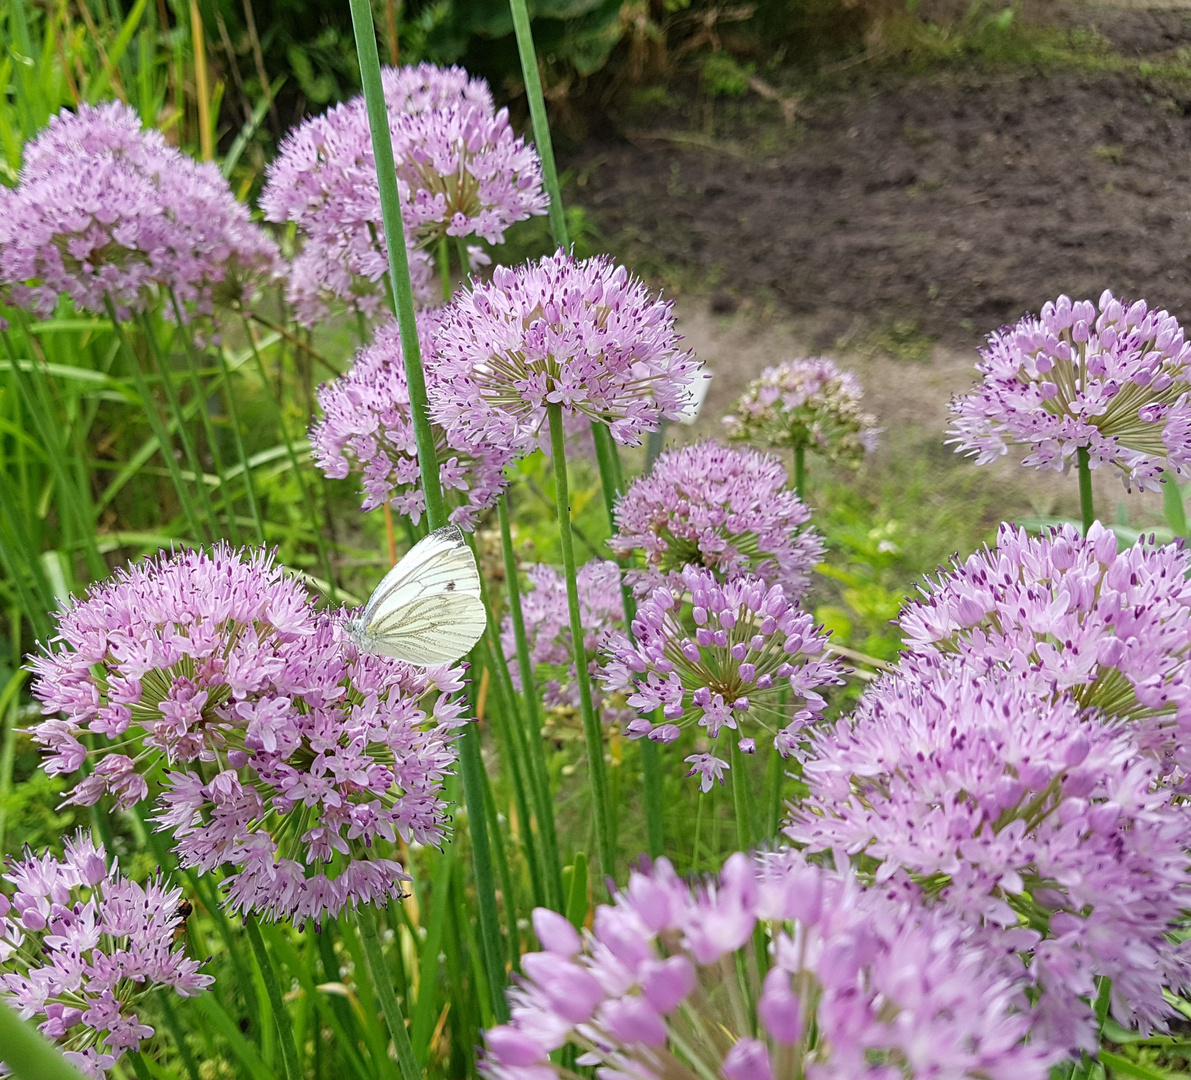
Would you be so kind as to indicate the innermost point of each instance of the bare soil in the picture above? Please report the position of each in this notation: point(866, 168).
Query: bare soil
point(897, 222)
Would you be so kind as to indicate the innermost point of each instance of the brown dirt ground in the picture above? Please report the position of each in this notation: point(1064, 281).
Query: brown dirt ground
point(909, 216)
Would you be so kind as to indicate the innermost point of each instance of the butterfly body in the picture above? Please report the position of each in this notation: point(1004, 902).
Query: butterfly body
point(427, 610)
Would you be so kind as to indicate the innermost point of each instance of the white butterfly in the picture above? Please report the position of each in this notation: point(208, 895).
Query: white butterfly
point(427, 610)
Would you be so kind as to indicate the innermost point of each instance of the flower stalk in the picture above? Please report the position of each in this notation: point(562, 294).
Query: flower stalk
point(285, 1031)
point(591, 723)
point(1086, 512)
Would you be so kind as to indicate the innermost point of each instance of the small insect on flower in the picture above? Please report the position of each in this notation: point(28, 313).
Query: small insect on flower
point(427, 610)
point(184, 910)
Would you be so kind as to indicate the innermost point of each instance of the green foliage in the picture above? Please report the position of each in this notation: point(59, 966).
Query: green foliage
point(722, 76)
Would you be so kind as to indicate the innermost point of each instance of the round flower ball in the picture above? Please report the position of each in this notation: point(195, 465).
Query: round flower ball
point(461, 172)
point(1075, 615)
point(805, 405)
point(856, 984)
point(747, 661)
point(1022, 815)
point(106, 212)
point(80, 947)
point(579, 333)
point(548, 631)
point(721, 508)
point(1110, 379)
point(270, 743)
point(366, 426)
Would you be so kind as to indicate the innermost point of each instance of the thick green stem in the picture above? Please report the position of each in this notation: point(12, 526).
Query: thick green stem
point(740, 796)
point(537, 114)
point(612, 481)
point(1172, 498)
point(249, 487)
point(156, 424)
point(1085, 490)
point(299, 475)
point(281, 1018)
point(471, 772)
point(402, 294)
point(30, 1056)
point(382, 983)
point(800, 471)
point(591, 723)
point(539, 773)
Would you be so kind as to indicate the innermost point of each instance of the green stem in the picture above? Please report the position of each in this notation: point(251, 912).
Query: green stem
point(539, 774)
point(508, 892)
point(249, 487)
point(188, 447)
point(1085, 489)
point(591, 723)
point(800, 471)
point(382, 983)
point(200, 397)
point(1172, 498)
point(516, 756)
point(444, 269)
point(164, 446)
point(537, 114)
point(279, 421)
point(403, 295)
point(740, 798)
point(612, 480)
point(281, 1017)
point(773, 786)
point(471, 772)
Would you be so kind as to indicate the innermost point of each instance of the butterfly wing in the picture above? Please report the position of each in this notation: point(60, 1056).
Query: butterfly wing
point(427, 609)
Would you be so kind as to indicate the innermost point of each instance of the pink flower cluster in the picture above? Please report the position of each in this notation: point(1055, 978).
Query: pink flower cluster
point(1074, 615)
point(1110, 379)
point(80, 945)
point(805, 404)
point(752, 657)
point(106, 210)
point(583, 334)
point(1024, 817)
point(548, 630)
point(666, 986)
point(276, 746)
point(461, 171)
point(366, 422)
point(725, 509)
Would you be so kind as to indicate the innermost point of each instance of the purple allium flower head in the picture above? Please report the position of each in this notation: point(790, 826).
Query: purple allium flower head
point(1111, 380)
point(460, 168)
point(583, 333)
point(278, 748)
point(861, 984)
point(80, 945)
point(548, 631)
point(723, 508)
point(748, 656)
point(366, 423)
point(1014, 811)
point(1074, 614)
point(104, 209)
point(805, 404)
